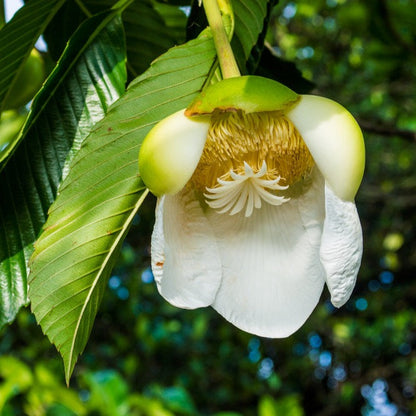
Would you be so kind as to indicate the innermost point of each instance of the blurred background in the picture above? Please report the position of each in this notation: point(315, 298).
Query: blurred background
point(145, 357)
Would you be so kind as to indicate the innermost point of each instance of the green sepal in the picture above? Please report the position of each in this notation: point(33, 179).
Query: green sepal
point(250, 93)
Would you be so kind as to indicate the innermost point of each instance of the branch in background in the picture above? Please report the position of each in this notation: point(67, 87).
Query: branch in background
point(384, 130)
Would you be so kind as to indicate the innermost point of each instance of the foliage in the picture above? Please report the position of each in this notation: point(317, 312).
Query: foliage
point(74, 166)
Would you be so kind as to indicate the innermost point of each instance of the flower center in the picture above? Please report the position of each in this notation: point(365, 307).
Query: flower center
point(249, 158)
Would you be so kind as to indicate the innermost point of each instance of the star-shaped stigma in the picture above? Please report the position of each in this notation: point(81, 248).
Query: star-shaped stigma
point(245, 191)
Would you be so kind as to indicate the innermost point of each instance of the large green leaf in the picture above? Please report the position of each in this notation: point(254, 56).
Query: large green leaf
point(175, 20)
point(18, 36)
point(89, 77)
point(101, 195)
point(249, 20)
point(148, 35)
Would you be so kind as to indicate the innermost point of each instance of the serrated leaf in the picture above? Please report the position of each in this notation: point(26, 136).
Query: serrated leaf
point(89, 77)
point(62, 27)
point(175, 20)
point(147, 33)
point(18, 36)
point(249, 20)
point(100, 196)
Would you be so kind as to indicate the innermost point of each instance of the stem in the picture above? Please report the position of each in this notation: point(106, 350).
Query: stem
point(225, 54)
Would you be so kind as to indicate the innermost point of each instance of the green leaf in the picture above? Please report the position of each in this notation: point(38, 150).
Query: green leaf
point(62, 27)
point(17, 38)
point(89, 77)
point(148, 35)
point(249, 20)
point(100, 197)
point(175, 20)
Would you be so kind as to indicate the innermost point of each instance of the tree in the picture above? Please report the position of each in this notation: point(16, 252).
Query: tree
point(70, 188)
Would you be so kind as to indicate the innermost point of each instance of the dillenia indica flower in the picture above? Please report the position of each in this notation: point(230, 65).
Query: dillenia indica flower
point(256, 210)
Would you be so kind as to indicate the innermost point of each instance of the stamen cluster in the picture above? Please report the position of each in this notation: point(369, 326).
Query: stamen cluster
point(249, 158)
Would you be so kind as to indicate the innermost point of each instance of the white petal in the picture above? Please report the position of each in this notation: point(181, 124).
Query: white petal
point(171, 151)
point(185, 258)
point(272, 275)
point(335, 141)
point(342, 247)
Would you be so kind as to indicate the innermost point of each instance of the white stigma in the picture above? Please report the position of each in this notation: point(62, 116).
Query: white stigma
point(245, 191)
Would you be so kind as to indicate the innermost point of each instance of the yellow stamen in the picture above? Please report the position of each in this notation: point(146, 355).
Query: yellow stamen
point(236, 139)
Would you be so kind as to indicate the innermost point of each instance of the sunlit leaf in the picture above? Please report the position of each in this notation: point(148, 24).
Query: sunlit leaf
point(100, 197)
point(17, 38)
point(89, 77)
point(148, 34)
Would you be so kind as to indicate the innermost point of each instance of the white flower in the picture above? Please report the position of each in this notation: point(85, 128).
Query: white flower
point(256, 205)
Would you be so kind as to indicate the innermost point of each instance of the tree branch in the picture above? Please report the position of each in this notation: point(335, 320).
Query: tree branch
point(385, 130)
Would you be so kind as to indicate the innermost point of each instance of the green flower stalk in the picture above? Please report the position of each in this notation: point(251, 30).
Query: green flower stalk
point(256, 212)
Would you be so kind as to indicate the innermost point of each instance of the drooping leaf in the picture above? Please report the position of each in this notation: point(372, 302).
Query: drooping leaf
point(101, 195)
point(62, 27)
point(148, 35)
point(17, 38)
point(249, 21)
point(175, 20)
point(89, 77)
point(256, 53)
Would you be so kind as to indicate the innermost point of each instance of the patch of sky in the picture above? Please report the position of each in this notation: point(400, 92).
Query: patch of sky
point(325, 359)
point(266, 368)
point(289, 11)
point(378, 403)
point(386, 277)
point(315, 340)
point(361, 304)
point(186, 10)
point(123, 293)
point(114, 282)
point(305, 53)
point(339, 373)
point(147, 276)
point(254, 354)
point(10, 8)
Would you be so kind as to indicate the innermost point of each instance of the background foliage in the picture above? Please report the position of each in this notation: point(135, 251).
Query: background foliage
point(145, 357)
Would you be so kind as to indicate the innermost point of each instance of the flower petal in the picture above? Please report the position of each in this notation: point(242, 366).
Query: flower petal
point(185, 258)
point(171, 151)
point(335, 141)
point(272, 275)
point(342, 247)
